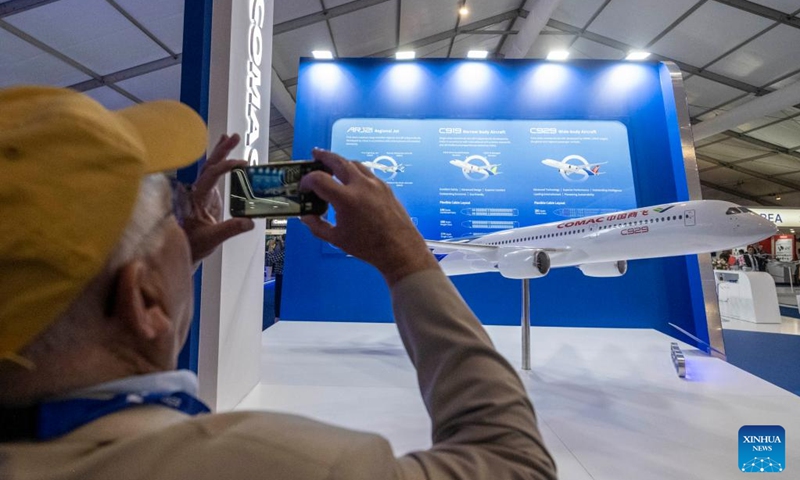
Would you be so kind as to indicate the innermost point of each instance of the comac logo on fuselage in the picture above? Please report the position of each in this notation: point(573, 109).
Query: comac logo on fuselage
point(630, 228)
point(608, 218)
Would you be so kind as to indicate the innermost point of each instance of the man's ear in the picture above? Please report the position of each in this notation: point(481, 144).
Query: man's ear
point(139, 302)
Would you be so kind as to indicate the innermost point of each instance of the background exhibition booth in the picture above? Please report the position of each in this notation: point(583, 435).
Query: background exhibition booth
point(427, 114)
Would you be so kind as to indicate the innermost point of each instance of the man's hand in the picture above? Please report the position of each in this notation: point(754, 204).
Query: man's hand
point(203, 224)
point(370, 222)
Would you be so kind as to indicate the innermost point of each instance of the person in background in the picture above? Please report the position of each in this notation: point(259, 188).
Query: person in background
point(724, 259)
point(275, 256)
point(97, 255)
point(749, 259)
point(735, 259)
point(269, 245)
point(727, 255)
point(761, 258)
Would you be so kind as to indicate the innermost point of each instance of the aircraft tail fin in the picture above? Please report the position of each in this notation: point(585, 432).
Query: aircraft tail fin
point(401, 168)
point(594, 168)
point(493, 169)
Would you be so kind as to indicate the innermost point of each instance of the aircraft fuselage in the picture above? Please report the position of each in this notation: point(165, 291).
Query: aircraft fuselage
point(667, 230)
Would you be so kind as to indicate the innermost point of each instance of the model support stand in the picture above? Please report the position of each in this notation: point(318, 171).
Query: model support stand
point(526, 324)
point(678, 359)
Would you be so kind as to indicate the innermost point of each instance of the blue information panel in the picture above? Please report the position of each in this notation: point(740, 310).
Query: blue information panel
point(459, 178)
point(473, 147)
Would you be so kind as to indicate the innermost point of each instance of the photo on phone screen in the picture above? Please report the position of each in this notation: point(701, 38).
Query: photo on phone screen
point(273, 190)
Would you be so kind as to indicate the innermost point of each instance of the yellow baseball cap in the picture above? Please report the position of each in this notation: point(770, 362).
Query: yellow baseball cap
point(69, 177)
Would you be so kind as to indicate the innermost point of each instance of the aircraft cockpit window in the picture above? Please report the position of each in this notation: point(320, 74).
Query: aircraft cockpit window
point(745, 210)
point(732, 211)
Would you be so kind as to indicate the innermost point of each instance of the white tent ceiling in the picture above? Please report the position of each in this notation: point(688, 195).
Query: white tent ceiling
point(731, 51)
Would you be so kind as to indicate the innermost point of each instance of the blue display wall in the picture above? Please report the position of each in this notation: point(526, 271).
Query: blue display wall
point(629, 105)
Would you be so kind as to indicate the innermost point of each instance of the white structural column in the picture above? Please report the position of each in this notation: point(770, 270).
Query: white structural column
point(539, 12)
point(232, 293)
point(772, 102)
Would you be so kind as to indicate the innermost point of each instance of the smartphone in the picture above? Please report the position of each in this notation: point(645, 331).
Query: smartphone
point(273, 190)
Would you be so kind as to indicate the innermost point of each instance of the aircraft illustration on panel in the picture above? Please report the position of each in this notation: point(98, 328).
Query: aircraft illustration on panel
point(476, 167)
point(602, 245)
point(385, 165)
point(578, 171)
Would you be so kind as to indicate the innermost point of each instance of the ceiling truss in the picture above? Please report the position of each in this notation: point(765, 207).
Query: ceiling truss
point(324, 15)
point(610, 42)
point(142, 28)
point(112, 78)
point(482, 27)
point(583, 32)
point(12, 7)
point(763, 144)
point(64, 58)
point(764, 11)
point(770, 178)
point(737, 193)
point(471, 28)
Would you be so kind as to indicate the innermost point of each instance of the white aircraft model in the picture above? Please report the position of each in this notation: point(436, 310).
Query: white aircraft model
point(467, 167)
point(584, 170)
point(601, 245)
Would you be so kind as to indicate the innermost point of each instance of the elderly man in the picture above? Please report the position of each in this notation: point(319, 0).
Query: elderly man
point(96, 301)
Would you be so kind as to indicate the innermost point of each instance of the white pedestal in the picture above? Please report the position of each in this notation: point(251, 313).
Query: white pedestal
point(609, 403)
point(747, 296)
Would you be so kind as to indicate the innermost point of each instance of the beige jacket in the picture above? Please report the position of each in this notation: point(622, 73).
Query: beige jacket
point(483, 423)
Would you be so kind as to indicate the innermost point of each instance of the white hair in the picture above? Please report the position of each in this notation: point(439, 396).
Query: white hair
point(144, 234)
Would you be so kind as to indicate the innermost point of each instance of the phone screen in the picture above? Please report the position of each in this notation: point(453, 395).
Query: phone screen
point(273, 190)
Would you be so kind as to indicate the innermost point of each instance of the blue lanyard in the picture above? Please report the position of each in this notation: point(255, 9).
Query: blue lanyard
point(61, 417)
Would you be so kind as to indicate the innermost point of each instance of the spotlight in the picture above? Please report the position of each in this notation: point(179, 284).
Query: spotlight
point(405, 55)
point(637, 55)
point(463, 11)
point(322, 54)
point(477, 54)
point(778, 198)
point(558, 55)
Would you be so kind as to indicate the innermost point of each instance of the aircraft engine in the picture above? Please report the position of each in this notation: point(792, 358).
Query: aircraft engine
point(524, 263)
point(605, 269)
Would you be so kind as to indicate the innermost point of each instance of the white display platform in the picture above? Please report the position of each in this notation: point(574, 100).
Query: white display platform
point(747, 296)
point(609, 403)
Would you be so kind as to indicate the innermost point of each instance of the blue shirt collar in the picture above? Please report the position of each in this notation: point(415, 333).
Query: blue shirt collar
point(171, 381)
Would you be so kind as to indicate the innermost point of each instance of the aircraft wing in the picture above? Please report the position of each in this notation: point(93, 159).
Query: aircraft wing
point(438, 246)
point(451, 247)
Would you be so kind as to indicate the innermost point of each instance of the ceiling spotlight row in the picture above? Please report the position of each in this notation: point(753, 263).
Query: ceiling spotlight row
point(556, 55)
point(400, 55)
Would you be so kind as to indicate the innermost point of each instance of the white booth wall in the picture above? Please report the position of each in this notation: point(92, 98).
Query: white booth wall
point(232, 291)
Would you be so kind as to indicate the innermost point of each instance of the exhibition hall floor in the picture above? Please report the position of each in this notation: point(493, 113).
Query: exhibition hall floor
point(788, 326)
point(609, 403)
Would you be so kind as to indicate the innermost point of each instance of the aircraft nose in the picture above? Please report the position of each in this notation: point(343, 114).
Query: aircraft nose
point(769, 227)
point(760, 226)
